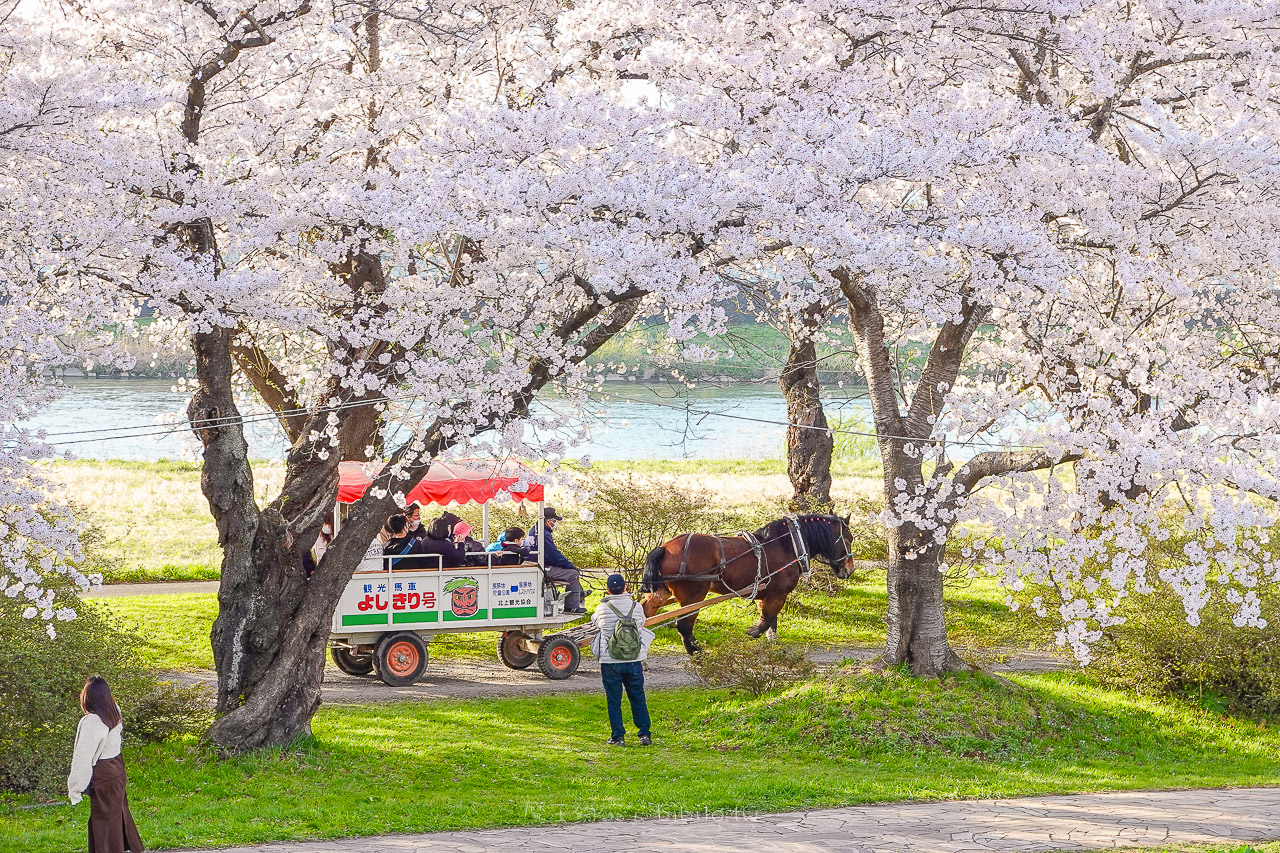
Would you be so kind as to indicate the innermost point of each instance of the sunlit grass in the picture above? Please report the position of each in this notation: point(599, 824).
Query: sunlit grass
point(846, 739)
point(155, 521)
point(175, 628)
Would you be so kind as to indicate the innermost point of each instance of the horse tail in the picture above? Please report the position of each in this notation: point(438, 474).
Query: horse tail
point(651, 579)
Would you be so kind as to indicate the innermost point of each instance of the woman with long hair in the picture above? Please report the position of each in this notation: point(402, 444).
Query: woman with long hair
point(97, 769)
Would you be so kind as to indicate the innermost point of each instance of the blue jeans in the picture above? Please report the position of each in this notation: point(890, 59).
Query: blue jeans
point(630, 675)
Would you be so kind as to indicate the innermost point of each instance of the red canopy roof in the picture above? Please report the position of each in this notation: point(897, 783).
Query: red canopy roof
point(462, 480)
point(457, 481)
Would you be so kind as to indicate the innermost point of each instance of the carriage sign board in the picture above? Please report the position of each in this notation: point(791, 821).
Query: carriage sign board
point(376, 600)
point(393, 606)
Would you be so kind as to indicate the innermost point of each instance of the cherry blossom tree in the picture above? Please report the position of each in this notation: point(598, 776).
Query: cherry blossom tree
point(47, 96)
point(391, 225)
point(1065, 213)
point(395, 224)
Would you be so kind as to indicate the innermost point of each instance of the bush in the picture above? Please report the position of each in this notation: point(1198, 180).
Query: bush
point(1226, 666)
point(40, 681)
point(631, 517)
point(756, 666)
point(1217, 662)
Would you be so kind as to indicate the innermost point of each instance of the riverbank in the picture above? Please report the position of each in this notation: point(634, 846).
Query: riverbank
point(155, 524)
point(747, 351)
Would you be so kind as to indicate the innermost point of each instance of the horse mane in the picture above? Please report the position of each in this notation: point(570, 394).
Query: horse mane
point(820, 534)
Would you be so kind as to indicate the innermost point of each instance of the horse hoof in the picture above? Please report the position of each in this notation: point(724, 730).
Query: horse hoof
point(771, 634)
point(754, 632)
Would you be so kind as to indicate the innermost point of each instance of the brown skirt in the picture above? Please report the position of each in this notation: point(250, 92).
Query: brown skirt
point(111, 828)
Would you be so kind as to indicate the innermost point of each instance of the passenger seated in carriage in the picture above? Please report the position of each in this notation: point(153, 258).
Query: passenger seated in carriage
point(438, 541)
point(401, 540)
point(512, 542)
point(558, 567)
point(462, 537)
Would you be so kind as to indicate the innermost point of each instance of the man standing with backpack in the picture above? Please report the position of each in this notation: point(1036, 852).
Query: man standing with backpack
point(621, 646)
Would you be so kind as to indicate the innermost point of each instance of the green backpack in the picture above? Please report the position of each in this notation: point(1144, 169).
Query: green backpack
point(624, 643)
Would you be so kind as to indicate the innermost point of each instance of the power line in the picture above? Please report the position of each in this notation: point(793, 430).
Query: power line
point(708, 413)
point(130, 432)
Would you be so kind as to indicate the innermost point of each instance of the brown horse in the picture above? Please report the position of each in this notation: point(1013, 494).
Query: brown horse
point(764, 570)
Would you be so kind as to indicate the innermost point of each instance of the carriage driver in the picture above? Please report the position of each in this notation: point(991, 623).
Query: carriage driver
point(558, 566)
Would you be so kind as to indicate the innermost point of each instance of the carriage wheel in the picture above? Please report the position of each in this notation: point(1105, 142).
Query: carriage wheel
point(401, 659)
point(558, 658)
point(512, 653)
point(350, 662)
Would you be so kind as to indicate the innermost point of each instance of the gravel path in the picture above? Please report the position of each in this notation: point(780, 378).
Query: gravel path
point(125, 590)
point(477, 679)
point(1081, 822)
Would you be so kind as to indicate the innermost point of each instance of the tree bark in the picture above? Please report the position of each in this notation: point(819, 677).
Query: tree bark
point(916, 621)
point(809, 440)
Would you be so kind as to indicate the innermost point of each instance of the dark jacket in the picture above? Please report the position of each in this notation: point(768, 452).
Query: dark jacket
point(399, 545)
point(452, 557)
point(555, 557)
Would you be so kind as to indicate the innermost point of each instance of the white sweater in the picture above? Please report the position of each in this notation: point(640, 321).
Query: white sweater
point(93, 741)
point(606, 621)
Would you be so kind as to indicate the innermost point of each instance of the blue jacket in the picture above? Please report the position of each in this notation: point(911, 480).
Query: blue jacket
point(554, 555)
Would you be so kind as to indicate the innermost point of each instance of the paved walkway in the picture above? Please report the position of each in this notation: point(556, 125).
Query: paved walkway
point(1082, 822)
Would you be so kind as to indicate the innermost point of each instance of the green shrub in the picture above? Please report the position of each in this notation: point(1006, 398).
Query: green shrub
point(756, 666)
point(40, 681)
point(630, 517)
point(1155, 650)
point(853, 439)
point(1226, 666)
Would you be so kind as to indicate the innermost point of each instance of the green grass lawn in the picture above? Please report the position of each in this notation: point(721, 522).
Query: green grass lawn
point(175, 628)
point(848, 738)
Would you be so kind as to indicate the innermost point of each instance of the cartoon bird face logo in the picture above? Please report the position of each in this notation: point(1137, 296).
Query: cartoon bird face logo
point(464, 596)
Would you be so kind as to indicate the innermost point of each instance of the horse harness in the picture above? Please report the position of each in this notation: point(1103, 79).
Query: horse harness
point(798, 546)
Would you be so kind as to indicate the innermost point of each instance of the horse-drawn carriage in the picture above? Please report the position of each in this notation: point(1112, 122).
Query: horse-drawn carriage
point(394, 605)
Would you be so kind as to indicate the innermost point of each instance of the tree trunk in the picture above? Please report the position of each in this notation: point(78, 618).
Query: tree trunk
point(269, 640)
point(809, 441)
point(917, 622)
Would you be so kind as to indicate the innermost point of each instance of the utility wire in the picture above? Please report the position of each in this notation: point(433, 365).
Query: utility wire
point(130, 432)
point(840, 430)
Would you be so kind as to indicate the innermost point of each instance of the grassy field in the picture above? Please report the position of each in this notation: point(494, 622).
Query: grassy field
point(747, 350)
point(176, 627)
point(156, 525)
point(848, 738)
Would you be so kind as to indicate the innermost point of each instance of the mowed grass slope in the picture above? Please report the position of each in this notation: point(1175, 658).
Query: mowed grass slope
point(847, 738)
point(175, 628)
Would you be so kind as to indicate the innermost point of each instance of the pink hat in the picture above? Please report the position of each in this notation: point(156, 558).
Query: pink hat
point(461, 529)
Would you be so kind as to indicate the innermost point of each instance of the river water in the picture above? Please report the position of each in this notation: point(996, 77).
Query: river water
point(125, 419)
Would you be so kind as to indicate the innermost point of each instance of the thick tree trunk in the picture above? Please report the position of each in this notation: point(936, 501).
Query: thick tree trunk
point(916, 621)
point(269, 640)
point(809, 441)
